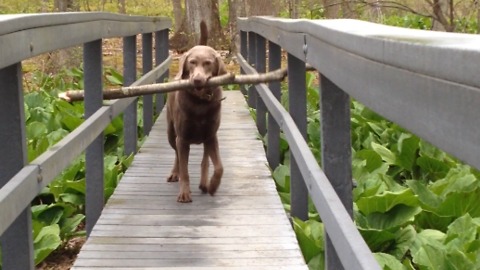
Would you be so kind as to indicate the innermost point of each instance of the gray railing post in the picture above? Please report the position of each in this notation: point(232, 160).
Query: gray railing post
point(147, 65)
point(244, 52)
point(336, 152)
point(16, 241)
point(252, 96)
point(260, 60)
point(161, 54)
point(129, 76)
point(273, 149)
point(297, 98)
point(92, 65)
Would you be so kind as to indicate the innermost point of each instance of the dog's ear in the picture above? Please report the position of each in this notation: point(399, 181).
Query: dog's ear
point(220, 65)
point(182, 70)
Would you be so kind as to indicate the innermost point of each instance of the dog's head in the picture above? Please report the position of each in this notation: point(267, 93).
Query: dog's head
point(198, 65)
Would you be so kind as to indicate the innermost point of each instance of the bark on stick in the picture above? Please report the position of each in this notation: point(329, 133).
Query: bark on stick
point(132, 91)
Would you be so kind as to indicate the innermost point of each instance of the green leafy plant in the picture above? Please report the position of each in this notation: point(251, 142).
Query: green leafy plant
point(415, 206)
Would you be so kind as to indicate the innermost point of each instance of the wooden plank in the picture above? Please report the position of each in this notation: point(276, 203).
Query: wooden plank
point(243, 225)
point(202, 262)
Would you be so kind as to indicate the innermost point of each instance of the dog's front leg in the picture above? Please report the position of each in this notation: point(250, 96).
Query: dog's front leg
point(183, 150)
point(204, 170)
point(212, 148)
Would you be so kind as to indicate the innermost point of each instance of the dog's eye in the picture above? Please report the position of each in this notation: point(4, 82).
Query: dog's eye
point(207, 63)
point(193, 62)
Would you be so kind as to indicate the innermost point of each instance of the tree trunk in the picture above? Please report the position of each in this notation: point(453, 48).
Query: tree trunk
point(332, 9)
point(232, 25)
point(262, 7)
point(188, 34)
point(122, 8)
point(348, 9)
point(443, 15)
point(177, 13)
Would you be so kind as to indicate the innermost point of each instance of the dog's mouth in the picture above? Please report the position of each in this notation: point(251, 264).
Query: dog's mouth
point(203, 93)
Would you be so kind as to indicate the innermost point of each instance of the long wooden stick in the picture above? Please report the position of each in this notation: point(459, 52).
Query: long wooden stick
point(132, 91)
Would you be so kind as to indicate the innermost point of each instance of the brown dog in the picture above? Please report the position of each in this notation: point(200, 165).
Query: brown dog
point(193, 117)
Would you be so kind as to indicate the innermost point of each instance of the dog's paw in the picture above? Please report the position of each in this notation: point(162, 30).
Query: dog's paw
point(184, 197)
point(172, 178)
point(214, 184)
point(203, 188)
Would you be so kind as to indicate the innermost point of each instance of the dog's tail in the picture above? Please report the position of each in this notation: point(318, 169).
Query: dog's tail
point(203, 33)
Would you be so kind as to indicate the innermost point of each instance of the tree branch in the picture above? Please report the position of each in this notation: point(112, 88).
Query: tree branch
point(132, 91)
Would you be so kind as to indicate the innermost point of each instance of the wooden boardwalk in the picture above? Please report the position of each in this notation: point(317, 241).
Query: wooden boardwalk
point(244, 226)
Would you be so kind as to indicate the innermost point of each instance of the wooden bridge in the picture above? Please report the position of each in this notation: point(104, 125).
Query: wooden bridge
point(427, 82)
point(244, 225)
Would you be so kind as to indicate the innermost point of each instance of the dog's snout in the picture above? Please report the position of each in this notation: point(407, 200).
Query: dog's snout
point(198, 81)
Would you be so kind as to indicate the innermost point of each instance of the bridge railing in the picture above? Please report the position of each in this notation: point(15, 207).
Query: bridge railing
point(427, 82)
point(27, 35)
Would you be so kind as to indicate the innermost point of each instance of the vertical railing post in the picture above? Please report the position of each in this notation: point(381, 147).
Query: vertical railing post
point(273, 149)
point(161, 54)
point(252, 97)
point(336, 152)
point(92, 65)
point(244, 53)
point(260, 62)
point(129, 76)
point(297, 99)
point(16, 241)
point(147, 65)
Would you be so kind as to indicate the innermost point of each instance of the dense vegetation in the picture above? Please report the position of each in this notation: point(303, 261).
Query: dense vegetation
point(415, 206)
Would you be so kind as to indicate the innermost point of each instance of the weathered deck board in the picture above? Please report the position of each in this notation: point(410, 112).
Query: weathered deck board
point(243, 226)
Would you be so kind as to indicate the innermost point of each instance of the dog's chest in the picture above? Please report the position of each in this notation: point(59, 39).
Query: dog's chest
point(198, 124)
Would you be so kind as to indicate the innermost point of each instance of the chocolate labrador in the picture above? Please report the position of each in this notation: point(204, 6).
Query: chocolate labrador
point(193, 117)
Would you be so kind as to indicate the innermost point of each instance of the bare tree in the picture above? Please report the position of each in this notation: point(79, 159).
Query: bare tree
point(177, 12)
point(122, 8)
point(188, 34)
point(332, 8)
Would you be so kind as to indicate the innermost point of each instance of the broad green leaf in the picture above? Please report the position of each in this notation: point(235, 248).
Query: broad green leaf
point(432, 168)
point(404, 239)
point(458, 179)
point(458, 204)
point(461, 232)
point(68, 226)
point(385, 153)
point(407, 148)
point(317, 262)
point(46, 241)
point(387, 261)
point(458, 260)
point(51, 215)
point(399, 215)
point(75, 199)
point(384, 202)
point(282, 177)
point(377, 240)
point(310, 237)
point(55, 136)
point(430, 257)
point(372, 158)
point(36, 130)
point(431, 237)
point(428, 199)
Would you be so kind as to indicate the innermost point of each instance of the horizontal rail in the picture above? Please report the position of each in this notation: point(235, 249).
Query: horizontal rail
point(26, 35)
point(332, 212)
point(425, 81)
point(26, 184)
